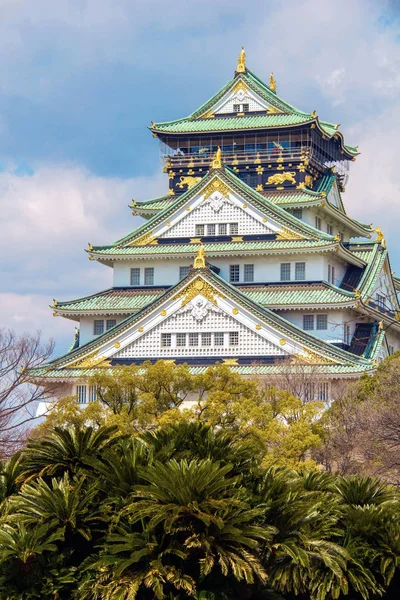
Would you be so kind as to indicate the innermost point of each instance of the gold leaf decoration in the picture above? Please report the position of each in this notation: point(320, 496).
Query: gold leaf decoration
point(216, 185)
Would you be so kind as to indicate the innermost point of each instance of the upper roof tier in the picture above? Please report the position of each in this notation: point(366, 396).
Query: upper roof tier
point(248, 103)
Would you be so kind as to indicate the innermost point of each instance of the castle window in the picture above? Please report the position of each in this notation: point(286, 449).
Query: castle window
point(98, 327)
point(346, 334)
point(233, 338)
point(380, 300)
point(322, 322)
point(323, 391)
point(329, 229)
point(181, 339)
point(331, 274)
point(166, 340)
point(199, 230)
point(245, 108)
point(93, 393)
point(135, 276)
point(149, 276)
point(183, 272)
point(234, 273)
point(308, 322)
point(248, 273)
point(219, 338)
point(285, 271)
point(81, 393)
point(211, 229)
point(233, 228)
point(206, 339)
point(193, 339)
point(298, 213)
point(222, 229)
point(236, 108)
point(110, 323)
point(318, 223)
point(300, 271)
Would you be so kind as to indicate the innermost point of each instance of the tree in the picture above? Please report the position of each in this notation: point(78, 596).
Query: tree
point(18, 395)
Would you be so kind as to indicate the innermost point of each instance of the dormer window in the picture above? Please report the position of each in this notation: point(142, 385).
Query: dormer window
point(240, 108)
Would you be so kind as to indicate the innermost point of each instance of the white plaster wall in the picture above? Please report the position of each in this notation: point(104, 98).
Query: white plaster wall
point(336, 322)
point(266, 268)
point(87, 324)
point(340, 269)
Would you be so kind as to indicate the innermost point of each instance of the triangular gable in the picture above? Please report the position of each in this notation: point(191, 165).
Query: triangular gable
point(223, 181)
point(240, 93)
point(384, 294)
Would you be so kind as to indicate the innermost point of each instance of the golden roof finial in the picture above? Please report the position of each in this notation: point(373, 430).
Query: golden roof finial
point(217, 160)
point(200, 261)
point(379, 233)
point(314, 114)
point(241, 66)
point(272, 83)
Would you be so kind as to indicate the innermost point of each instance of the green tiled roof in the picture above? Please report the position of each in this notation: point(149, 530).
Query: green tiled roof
point(289, 115)
point(114, 300)
point(232, 123)
point(155, 204)
point(121, 300)
point(293, 295)
point(254, 369)
point(211, 248)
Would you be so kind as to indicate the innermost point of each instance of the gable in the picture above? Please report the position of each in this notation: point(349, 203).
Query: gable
point(200, 328)
point(384, 290)
point(240, 94)
point(334, 197)
point(217, 203)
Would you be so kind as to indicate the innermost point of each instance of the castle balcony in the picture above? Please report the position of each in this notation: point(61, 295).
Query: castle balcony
point(181, 159)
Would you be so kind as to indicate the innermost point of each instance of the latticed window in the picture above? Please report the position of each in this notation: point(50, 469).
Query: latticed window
point(199, 230)
point(318, 223)
point(346, 334)
point(233, 338)
point(93, 393)
point(331, 274)
point(329, 229)
point(323, 391)
point(166, 340)
point(233, 228)
point(181, 339)
point(234, 273)
point(236, 108)
point(308, 322)
point(222, 229)
point(248, 275)
point(81, 393)
point(149, 276)
point(135, 276)
point(380, 300)
point(206, 339)
point(211, 229)
point(285, 271)
point(98, 327)
point(193, 339)
point(219, 338)
point(300, 271)
point(298, 213)
point(110, 323)
point(322, 321)
point(183, 272)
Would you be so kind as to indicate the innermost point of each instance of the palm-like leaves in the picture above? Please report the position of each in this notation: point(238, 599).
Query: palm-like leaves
point(66, 450)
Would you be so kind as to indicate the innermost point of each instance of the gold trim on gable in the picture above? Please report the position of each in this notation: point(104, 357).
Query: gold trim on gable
point(216, 185)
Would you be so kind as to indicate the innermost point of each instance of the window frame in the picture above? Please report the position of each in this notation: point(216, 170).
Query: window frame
point(297, 268)
point(135, 271)
point(233, 338)
point(108, 321)
point(148, 271)
point(199, 232)
point(321, 317)
point(180, 272)
point(311, 320)
point(248, 278)
point(98, 322)
point(287, 266)
point(236, 268)
point(166, 337)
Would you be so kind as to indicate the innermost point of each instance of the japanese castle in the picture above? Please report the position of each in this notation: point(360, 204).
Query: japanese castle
point(249, 259)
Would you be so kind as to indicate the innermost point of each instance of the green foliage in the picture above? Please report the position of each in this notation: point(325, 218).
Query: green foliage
point(188, 510)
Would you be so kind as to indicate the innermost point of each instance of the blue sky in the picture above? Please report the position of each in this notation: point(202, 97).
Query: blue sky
point(80, 81)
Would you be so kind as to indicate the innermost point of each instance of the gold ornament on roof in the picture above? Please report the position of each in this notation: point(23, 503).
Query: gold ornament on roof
point(196, 287)
point(280, 178)
point(272, 83)
point(189, 181)
point(216, 185)
point(217, 160)
point(314, 114)
point(379, 233)
point(200, 261)
point(241, 66)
